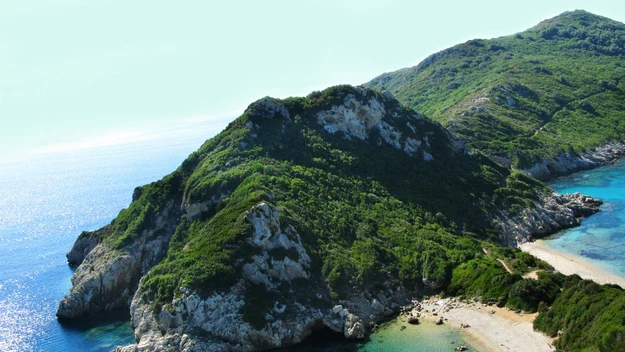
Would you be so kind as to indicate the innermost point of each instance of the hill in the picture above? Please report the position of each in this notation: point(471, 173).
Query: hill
point(323, 212)
point(549, 100)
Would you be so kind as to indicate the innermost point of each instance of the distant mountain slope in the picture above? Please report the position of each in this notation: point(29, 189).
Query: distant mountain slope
point(325, 211)
point(553, 91)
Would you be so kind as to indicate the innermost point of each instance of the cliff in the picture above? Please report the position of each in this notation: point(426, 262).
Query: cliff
point(328, 211)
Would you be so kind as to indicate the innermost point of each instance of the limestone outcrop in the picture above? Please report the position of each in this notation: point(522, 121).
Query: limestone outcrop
point(107, 279)
point(220, 322)
point(565, 164)
point(358, 116)
point(84, 244)
point(553, 212)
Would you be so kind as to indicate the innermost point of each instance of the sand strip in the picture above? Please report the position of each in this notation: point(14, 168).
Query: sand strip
point(569, 264)
point(490, 329)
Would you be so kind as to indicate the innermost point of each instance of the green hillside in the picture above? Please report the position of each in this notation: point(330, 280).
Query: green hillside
point(556, 88)
point(364, 209)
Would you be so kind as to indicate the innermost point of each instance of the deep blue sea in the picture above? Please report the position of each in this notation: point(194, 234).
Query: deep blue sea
point(601, 238)
point(46, 200)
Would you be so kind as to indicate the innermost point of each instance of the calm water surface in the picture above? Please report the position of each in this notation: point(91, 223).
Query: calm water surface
point(601, 237)
point(45, 202)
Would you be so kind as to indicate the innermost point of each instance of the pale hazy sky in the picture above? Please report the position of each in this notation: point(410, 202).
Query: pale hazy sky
point(72, 70)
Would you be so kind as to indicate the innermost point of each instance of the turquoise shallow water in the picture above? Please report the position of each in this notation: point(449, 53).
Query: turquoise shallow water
point(425, 337)
point(601, 238)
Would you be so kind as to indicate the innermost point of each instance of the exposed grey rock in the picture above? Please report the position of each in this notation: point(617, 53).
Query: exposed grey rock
point(219, 316)
point(357, 119)
point(269, 108)
point(551, 213)
point(354, 327)
point(194, 211)
point(84, 244)
point(567, 163)
point(378, 308)
point(107, 279)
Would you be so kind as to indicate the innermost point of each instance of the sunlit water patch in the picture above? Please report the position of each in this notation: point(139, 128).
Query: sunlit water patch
point(46, 200)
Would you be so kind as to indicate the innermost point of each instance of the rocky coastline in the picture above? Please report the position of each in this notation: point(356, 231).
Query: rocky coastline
point(276, 275)
point(552, 213)
point(108, 280)
point(568, 163)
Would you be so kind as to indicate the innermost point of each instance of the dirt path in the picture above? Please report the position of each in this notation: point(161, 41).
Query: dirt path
point(505, 265)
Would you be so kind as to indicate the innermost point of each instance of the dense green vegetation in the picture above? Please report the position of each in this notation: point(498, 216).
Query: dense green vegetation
point(364, 211)
point(589, 317)
point(372, 216)
point(555, 88)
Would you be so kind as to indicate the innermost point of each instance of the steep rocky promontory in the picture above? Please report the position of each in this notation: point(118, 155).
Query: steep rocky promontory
point(324, 212)
point(106, 278)
point(568, 163)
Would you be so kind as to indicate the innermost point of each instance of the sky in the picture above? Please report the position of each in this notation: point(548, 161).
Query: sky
point(82, 72)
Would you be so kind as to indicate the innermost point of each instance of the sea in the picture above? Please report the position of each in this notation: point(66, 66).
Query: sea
point(48, 198)
point(600, 240)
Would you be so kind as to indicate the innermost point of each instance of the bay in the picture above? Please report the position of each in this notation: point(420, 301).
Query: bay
point(600, 239)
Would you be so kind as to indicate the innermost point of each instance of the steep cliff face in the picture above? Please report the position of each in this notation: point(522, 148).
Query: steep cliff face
point(328, 211)
point(106, 278)
point(289, 318)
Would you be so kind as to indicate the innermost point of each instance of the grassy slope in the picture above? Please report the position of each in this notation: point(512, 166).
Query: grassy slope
point(557, 87)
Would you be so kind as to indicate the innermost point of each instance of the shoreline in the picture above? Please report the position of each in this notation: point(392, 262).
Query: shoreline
point(488, 328)
point(565, 164)
point(569, 264)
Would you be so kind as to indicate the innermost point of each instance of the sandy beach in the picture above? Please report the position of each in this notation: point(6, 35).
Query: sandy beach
point(490, 329)
point(568, 264)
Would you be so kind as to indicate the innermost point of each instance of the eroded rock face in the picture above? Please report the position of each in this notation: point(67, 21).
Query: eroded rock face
point(270, 108)
point(218, 323)
point(290, 261)
point(195, 210)
point(84, 244)
point(565, 164)
point(101, 283)
point(552, 213)
point(107, 279)
point(357, 117)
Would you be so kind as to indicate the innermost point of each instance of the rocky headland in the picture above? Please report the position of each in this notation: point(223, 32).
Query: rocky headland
point(568, 163)
point(272, 281)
